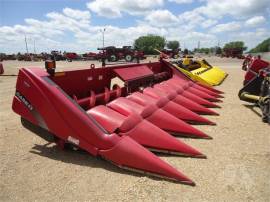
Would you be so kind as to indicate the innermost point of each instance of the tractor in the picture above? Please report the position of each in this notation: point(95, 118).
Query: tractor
point(113, 54)
point(57, 55)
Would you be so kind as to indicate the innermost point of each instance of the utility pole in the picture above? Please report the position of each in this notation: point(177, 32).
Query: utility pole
point(103, 44)
point(34, 46)
point(26, 46)
point(103, 33)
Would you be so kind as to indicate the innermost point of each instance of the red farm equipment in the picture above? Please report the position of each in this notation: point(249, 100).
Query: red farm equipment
point(90, 56)
point(257, 85)
point(1, 69)
point(57, 55)
point(71, 56)
point(10, 57)
point(3, 56)
point(171, 53)
point(24, 57)
point(114, 54)
point(233, 53)
point(82, 109)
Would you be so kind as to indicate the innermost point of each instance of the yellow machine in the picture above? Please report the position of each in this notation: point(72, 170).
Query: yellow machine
point(211, 74)
point(199, 70)
point(202, 71)
point(194, 77)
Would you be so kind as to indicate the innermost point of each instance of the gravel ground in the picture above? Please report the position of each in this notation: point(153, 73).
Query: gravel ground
point(237, 167)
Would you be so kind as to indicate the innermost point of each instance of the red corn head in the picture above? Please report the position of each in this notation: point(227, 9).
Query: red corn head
point(196, 85)
point(203, 94)
point(142, 131)
point(156, 116)
point(188, 86)
point(180, 111)
point(171, 107)
point(205, 88)
point(192, 96)
point(129, 155)
point(209, 92)
point(199, 100)
point(181, 100)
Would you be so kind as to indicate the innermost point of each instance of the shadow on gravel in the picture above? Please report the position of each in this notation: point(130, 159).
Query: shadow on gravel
point(82, 158)
point(253, 108)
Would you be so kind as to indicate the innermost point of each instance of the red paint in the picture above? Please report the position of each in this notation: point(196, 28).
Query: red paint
point(81, 107)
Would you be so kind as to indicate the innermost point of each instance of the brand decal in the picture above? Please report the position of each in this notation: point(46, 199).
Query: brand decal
point(24, 100)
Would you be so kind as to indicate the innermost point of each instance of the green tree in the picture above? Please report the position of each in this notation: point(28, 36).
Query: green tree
point(174, 45)
point(212, 49)
point(262, 47)
point(216, 50)
point(203, 50)
point(148, 43)
point(235, 45)
point(206, 50)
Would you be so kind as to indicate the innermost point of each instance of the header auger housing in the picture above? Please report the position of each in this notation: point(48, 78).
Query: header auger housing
point(121, 124)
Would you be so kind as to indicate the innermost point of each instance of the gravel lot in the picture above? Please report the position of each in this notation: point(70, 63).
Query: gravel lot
point(237, 168)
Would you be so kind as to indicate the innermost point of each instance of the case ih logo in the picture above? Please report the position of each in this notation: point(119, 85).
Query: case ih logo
point(24, 100)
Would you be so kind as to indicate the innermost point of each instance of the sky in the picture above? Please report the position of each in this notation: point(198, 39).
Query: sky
point(75, 25)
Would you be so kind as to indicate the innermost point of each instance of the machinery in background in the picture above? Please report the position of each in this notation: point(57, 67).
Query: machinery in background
point(71, 56)
point(199, 70)
point(257, 85)
point(172, 53)
point(1, 69)
point(233, 53)
point(113, 54)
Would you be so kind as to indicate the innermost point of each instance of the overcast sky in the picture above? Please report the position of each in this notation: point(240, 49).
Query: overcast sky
point(75, 25)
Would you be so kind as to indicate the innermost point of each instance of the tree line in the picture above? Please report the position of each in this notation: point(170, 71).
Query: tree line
point(262, 47)
point(150, 42)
